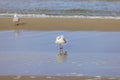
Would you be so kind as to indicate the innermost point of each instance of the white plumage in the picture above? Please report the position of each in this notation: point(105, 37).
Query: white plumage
point(60, 40)
point(16, 19)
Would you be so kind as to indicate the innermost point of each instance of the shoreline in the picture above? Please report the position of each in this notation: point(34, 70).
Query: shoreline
point(32, 15)
point(56, 78)
point(68, 24)
point(60, 16)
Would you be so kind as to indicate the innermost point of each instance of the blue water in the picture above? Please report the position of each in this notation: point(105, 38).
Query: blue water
point(89, 53)
point(62, 7)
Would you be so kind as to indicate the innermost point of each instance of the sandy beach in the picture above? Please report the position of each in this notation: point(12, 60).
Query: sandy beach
point(62, 24)
point(29, 45)
point(91, 28)
point(55, 78)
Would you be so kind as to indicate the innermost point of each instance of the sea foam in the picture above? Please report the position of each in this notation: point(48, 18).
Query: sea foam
point(57, 16)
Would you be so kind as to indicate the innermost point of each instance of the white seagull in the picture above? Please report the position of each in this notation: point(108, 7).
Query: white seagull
point(60, 40)
point(16, 19)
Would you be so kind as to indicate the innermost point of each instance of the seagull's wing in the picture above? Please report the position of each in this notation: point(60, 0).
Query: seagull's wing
point(65, 40)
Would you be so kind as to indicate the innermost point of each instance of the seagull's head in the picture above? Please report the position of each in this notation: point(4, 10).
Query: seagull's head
point(60, 37)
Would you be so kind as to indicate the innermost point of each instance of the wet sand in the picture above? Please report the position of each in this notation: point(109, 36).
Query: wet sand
point(55, 78)
point(62, 24)
point(42, 24)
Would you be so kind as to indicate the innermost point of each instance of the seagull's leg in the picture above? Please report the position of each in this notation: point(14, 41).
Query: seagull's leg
point(61, 48)
point(17, 23)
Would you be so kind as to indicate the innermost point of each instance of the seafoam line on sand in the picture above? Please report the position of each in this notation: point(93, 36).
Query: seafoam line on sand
point(58, 16)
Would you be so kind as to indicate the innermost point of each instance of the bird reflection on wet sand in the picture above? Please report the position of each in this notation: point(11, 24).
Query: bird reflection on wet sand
point(18, 29)
point(17, 32)
point(62, 57)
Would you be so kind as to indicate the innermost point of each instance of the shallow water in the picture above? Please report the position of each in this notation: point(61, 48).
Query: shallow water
point(62, 7)
point(89, 53)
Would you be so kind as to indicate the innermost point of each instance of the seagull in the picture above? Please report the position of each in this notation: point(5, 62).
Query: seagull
point(60, 40)
point(16, 19)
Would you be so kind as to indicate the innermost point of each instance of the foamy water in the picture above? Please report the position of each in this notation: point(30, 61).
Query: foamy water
point(61, 7)
point(58, 16)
